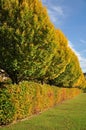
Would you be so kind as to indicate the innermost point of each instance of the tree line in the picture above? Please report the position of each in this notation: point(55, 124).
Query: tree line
point(31, 48)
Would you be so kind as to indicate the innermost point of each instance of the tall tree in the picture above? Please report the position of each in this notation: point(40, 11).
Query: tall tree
point(30, 46)
point(61, 57)
point(27, 39)
point(71, 75)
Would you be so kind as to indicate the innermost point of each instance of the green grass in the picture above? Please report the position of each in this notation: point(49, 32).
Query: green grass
point(70, 115)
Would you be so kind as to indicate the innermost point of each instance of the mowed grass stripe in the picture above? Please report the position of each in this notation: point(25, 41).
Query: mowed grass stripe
point(70, 115)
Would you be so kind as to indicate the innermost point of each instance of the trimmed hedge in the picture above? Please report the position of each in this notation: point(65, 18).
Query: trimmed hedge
point(28, 98)
point(7, 109)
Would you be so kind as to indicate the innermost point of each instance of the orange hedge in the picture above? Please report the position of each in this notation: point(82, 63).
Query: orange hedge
point(30, 98)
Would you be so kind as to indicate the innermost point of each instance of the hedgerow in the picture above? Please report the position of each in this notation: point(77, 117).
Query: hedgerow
point(28, 98)
point(7, 108)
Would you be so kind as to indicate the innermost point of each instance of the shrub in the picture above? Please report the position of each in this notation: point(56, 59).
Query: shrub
point(7, 108)
point(30, 98)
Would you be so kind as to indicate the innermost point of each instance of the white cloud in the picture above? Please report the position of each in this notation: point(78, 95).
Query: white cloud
point(56, 14)
point(76, 52)
point(82, 59)
point(52, 15)
point(58, 10)
point(55, 11)
point(82, 41)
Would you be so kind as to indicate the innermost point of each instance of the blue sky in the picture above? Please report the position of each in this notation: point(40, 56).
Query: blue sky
point(70, 17)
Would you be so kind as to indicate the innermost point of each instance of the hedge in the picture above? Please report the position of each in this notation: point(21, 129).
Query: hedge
point(21, 101)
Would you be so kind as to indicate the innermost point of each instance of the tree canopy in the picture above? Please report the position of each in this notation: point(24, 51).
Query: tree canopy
point(31, 48)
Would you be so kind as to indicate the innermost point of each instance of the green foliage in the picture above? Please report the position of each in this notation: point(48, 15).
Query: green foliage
point(7, 109)
point(70, 76)
point(60, 59)
point(32, 49)
point(28, 98)
point(27, 39)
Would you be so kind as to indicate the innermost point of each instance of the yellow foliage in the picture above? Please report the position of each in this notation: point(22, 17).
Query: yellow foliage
point(31, 98)
point(61, 38)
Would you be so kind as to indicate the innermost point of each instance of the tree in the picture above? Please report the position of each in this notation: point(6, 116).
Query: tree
point(70, 77)
point(30, 46)
point(27, 39)
point(60, 59)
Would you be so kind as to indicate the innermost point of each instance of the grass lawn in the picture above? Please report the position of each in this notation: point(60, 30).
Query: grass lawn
point(70, 115)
